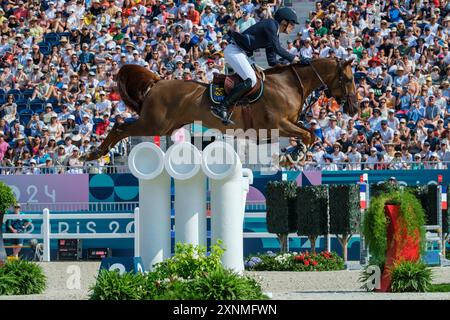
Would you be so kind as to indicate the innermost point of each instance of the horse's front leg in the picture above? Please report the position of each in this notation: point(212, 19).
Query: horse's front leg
point(118, 132)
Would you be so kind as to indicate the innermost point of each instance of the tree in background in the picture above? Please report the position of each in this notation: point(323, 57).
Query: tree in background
point(281, 216)
point(344, 213)
point(312, 212)
point(7, 199)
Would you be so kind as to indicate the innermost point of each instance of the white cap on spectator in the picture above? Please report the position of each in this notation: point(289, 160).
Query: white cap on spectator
point(373, 149)
point(45, 128)
point(75, 148)
point(391, 111)
point(65, 86)
point(343, 131)
point(402, 120)
point(313, 121)
point(135, 52)
point(72, 117)
point(33, 161)
point(371, 91)
point(389, 89)
point(87, 96)
point(365, 99)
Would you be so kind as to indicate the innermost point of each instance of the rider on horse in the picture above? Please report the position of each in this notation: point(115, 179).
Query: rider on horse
point(264, 34)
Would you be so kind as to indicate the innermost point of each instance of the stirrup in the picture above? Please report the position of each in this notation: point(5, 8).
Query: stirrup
point(218, 112)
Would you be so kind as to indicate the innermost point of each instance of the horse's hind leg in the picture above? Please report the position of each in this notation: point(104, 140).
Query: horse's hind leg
point(118, 132)
point(290, 129)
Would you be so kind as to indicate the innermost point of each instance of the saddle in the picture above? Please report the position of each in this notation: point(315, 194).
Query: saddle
point(222, 84)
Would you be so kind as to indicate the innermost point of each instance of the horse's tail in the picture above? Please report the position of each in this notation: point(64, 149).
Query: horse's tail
point(133, 83)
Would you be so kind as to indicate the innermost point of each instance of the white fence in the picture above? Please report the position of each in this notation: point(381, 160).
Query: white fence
point(46, 234)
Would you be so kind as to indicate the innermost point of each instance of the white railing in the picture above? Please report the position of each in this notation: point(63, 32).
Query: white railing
point(46, 234)
point(126, 206)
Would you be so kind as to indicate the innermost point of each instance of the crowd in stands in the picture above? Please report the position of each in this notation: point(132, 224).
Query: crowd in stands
point(401, 65)
point(59, 58)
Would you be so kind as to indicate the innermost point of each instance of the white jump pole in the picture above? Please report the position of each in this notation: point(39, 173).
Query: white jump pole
point(183, 163)
point(222, 165)
point(146, 162)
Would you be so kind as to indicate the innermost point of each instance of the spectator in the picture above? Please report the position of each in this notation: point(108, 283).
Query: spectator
point(17, 226)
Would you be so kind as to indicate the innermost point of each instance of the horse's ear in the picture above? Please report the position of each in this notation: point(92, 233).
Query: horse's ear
point(348, 62)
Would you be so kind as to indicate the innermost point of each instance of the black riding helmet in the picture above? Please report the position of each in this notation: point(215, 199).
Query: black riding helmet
point(286, 14)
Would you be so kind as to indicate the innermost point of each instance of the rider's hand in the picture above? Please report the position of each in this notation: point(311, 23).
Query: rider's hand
point(296, 59)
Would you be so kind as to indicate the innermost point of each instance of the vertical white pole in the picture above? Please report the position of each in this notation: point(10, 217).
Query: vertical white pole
point(146, 162)
point(137, 249)
point(222, 165)
point(183, 163)
point(46, 234)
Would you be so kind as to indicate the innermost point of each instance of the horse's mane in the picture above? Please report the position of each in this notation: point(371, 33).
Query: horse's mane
point(281, 67)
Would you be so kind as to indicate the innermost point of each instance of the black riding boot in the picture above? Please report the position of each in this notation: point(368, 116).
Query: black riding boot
point(221, 111)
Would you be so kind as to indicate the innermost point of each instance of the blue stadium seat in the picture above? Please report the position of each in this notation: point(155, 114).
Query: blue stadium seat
point(52, 38)
point(27, 93)
point(53, 101)
point(16, 93)
point(22, 106)
point(45, 48)
point(2, 98)
point(25, 116)
point(36, 104)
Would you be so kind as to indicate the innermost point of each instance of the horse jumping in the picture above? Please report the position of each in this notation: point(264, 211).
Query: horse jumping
point(166, 105)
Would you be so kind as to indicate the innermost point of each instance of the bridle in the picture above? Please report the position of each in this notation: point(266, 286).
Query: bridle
point(342, 83)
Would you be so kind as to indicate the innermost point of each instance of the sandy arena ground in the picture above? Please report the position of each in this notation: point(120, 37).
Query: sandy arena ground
point(338, 285)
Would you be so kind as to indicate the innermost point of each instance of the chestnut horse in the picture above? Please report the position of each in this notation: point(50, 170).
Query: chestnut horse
point(166, 105)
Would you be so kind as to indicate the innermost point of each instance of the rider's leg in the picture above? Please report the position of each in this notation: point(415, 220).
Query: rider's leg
point(237, 59)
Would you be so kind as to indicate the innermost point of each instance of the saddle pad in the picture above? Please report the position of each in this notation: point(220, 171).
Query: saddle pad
point(217, 93)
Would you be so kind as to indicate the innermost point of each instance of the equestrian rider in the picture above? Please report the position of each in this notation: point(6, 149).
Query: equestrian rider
point(264, 34)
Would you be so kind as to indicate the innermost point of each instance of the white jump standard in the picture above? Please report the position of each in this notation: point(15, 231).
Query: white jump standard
point(229, 184)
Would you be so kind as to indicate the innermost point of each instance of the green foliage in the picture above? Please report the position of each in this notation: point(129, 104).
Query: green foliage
point(312, 207)
point(9, 284)
point(190, 261)
point(383, 188)
point(344, 209)
point(19, 277)
point(7, 198)
point(409, 276)
point(375, 221)
point(293, 261)
point(280, 203)
point(219, 284)
point(441, 287)
point(189, 275)
point(111, 285)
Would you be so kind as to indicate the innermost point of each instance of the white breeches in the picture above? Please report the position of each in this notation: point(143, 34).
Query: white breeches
point(238, 60)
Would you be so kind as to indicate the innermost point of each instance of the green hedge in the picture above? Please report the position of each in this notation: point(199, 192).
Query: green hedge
point(281, 216)
point(312, 212)
point(344, 209)
point(280, 203)
point(375, 221)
